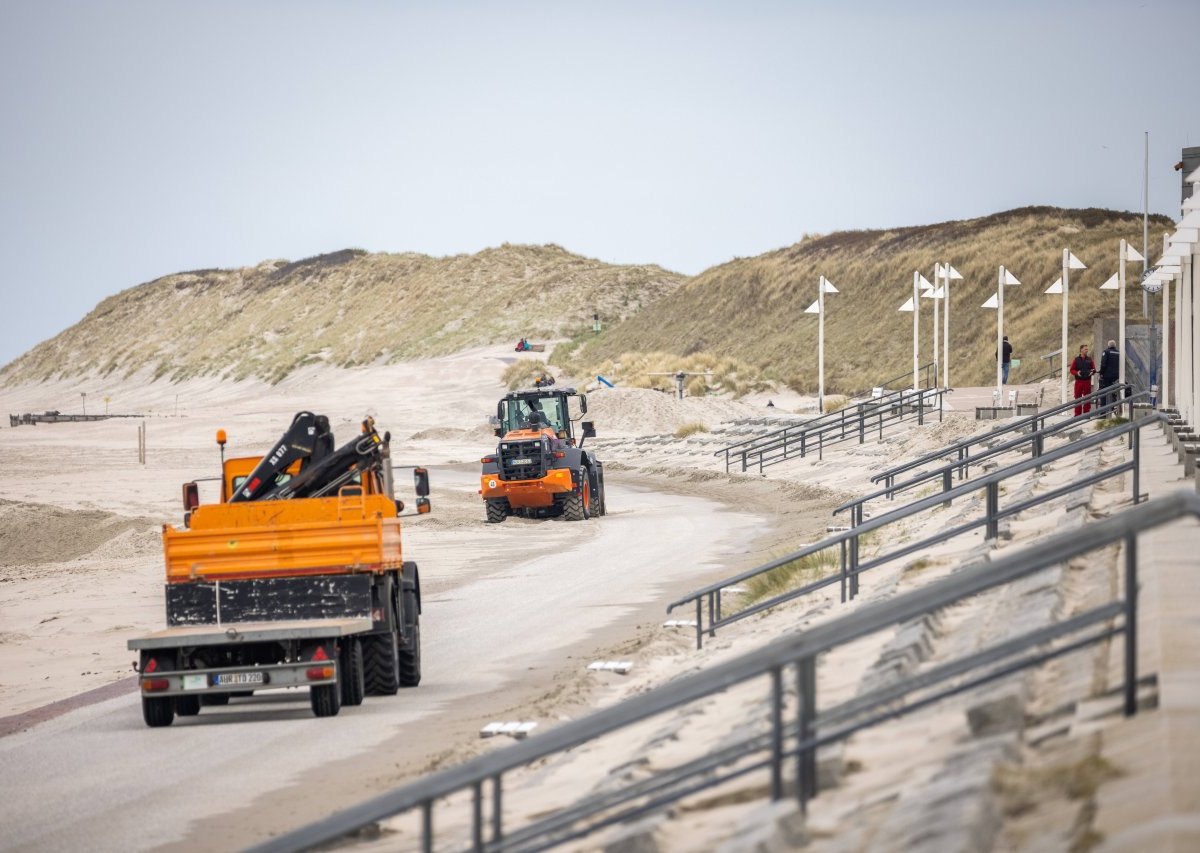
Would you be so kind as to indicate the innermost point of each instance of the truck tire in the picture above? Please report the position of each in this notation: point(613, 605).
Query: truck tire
point(353, 680)
point(158, 712)
point(326, 699)
point(576, 506)
point(497, 510)
point(381, 664)
point(187, 706)
point(410, 652)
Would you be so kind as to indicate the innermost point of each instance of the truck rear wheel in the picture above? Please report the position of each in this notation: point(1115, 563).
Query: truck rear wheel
point(187, 706)
point(497, 510)
point(158, 712)
point(410, 652)
point(326, 699)
point(353, 679)
point(577, 504)
point(381, 664)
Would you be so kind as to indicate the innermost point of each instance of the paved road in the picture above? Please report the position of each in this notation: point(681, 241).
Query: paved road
point(97, 778)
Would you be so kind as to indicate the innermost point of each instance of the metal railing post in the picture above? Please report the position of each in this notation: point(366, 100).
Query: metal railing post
point(856, 520)
point(427, 826)
point(743, 462)
point(1136, 436)
point(947, 484)
point(699, 623)
point(477, 817)
point(712, 609)
point(993, 509)
point(806, 757)
point(497, 805)
point(842, 556)
point(776, 734)
point(1131, 596)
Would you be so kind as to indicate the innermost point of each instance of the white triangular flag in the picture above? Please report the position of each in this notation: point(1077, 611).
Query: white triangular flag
point(992, 302)
point(907, 306)
point(1073, 263)
point(829, 288)
point(929, 294)
point(1056, 287)
point(1113, 283)
point(954, 274)
point(1009, 278)
point(1132, 254)
point(815, 308)
point(923, 282)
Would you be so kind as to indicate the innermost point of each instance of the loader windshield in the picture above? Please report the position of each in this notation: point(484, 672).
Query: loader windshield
point(533, 413)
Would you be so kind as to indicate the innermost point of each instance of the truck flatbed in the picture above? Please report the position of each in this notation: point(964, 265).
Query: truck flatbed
point(249, 632)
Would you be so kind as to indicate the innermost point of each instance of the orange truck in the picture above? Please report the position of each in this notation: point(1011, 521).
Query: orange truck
point(295, 578)
point(540, 468)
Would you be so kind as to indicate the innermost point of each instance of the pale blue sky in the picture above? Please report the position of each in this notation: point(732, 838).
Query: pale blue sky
point(145, 137)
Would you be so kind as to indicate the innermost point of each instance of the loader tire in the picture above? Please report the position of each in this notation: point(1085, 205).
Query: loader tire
point(497, 511)
point(353, 678)
point(381, 664)
point(410, 652)
point(158, 712)
point(577, 505)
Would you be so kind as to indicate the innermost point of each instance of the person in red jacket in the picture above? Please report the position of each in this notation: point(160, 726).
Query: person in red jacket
point(1082, 369)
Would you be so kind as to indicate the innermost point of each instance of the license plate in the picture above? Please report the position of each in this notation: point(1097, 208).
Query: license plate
point(240, 678)
point(195, 682)
point(520, 462)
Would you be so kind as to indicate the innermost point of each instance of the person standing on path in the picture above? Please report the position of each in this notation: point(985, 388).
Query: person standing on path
point(1082, 369)
point(1006, 361)
point(1110, 371)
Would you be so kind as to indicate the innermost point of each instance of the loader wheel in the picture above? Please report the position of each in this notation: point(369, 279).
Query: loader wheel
point(497, 511)
point(158, 712)
point(326, 699)
point(353, 679)
point(187, 706)
point(410, 653)
point(577, 506)
point(381, 661)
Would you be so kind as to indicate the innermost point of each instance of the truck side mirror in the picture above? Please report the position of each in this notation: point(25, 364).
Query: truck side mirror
point(421, 483)
point(583, 404)
point(499, 433)
point(191, 496)
point(589, 429)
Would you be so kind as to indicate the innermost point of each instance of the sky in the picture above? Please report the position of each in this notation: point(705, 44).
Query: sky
point(146, 137)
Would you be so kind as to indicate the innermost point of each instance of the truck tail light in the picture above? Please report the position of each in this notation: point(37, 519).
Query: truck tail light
point(488, 460)
point(153, 685)
point(318, 673)
point(558, 454)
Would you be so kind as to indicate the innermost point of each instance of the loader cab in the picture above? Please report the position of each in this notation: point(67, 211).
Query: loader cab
point(540, 410)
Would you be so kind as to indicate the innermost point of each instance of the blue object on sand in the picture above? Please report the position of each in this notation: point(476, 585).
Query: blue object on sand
point(600, 378)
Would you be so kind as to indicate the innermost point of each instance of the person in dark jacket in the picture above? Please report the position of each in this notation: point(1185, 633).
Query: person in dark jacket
point(1110, 371)
point(1082, 369)
point(1006, 361)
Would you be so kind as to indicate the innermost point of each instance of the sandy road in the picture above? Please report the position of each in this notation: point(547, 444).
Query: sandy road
point(504, 605)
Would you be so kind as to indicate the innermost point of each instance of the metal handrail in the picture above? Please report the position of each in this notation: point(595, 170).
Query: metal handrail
point(927, 372)
point(960, 447)
point(848, 542)
point(962, 465)
point(819, 421)
point(784, 742)
point(802, 439)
